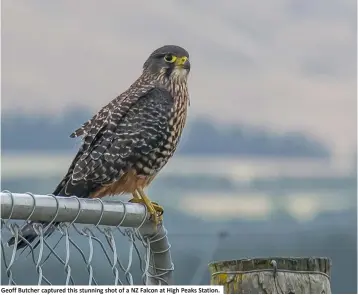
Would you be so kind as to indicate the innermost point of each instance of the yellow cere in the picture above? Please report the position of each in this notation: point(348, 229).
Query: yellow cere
point(181, 60)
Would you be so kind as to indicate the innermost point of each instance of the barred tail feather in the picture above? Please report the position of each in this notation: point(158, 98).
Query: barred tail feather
point(65, 188)
point(28, 233)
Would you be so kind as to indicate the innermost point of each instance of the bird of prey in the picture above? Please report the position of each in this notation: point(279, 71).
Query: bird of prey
point(129, 140)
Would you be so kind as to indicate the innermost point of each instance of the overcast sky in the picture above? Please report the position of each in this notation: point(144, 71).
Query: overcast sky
point(290, 65)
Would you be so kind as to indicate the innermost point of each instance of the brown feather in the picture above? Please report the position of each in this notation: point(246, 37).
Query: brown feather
point(128, 183)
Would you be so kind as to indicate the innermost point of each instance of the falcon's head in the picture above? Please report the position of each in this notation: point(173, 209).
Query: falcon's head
point(169, 61)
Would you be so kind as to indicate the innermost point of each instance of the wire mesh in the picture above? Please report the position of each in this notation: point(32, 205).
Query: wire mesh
point(77, 253)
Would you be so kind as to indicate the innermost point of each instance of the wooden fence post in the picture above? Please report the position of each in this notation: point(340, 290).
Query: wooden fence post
point(273, 275)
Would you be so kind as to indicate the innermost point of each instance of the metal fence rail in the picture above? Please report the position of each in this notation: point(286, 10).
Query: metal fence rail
point(102, 225)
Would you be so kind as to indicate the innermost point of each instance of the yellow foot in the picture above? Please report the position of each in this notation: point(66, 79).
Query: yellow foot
point(155, 210)
point(158, 208)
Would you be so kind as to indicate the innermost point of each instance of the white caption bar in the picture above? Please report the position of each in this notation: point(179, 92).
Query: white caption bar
point(113, 290)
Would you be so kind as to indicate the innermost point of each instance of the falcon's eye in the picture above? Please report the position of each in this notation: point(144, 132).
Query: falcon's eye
point(170, 58)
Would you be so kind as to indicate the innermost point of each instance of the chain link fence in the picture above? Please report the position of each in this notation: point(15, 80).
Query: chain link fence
point(96, 243)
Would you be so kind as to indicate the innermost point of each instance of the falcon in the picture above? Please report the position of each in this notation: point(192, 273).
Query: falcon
point(127, 143)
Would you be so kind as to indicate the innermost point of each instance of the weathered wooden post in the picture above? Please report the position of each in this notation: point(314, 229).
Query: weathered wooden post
point(273, 275)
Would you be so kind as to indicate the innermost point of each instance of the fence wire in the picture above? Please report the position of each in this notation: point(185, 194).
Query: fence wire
point(84, 249)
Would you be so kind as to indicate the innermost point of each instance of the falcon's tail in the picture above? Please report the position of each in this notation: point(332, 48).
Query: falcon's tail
point(29, 233)
point(65, 188)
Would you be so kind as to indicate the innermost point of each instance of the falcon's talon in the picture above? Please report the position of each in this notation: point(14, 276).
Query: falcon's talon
point(159, 209)
point(156, 211)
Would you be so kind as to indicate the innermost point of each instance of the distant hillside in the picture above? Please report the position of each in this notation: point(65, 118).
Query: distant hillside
point(44, 133)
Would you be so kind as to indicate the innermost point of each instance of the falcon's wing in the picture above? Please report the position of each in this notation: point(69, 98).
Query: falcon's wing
point(119, 143)
point(116, 109)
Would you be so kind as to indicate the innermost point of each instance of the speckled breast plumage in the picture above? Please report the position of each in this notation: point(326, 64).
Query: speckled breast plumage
point(151, 164)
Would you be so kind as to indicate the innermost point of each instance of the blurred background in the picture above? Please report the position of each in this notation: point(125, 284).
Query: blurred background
point(267, 163)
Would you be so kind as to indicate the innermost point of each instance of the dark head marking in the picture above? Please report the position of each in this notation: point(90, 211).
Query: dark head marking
point(167, 58)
